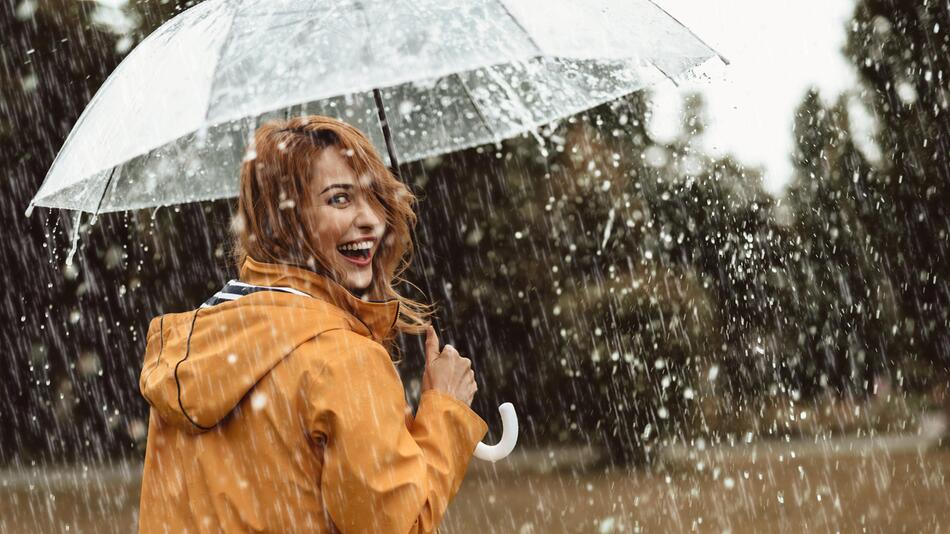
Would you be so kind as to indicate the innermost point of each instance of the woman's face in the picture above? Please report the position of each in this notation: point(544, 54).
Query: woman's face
point(341, 220)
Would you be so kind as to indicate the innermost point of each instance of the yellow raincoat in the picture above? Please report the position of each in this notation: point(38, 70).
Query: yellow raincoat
point(279, 411)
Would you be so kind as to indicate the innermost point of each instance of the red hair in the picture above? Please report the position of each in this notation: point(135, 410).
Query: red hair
point(275, 177)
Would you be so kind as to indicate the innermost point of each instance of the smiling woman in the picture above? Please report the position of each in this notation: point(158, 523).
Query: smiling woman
point(344, 221)
point(275, 405)
point(315, 190)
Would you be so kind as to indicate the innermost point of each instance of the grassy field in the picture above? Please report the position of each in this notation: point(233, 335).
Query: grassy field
point(790, 488)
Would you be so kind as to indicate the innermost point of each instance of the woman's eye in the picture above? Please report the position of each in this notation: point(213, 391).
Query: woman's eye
point(344, 196)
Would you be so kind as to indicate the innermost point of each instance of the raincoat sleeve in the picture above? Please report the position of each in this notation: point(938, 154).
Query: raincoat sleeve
point(378, 474)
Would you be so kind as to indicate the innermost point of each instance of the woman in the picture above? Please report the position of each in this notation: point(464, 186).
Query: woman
point(275, 405)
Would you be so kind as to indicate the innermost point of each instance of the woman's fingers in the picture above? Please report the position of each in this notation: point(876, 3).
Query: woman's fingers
point(449, 350)
point(467, 380)
point(471, 391)
point(447, 370)
point(432, 344)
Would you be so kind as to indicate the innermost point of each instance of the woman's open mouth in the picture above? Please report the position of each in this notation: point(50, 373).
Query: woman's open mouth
point(358, 252)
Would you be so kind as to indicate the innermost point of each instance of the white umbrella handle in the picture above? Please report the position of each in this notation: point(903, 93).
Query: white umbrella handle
point(509, 436)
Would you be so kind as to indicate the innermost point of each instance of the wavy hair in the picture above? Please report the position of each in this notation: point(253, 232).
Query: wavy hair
point(275, 178)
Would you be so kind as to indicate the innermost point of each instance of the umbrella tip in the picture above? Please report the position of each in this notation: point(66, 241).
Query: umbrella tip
point(29, 209)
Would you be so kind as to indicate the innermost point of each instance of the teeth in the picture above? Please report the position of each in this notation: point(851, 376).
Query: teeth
point(363, 245)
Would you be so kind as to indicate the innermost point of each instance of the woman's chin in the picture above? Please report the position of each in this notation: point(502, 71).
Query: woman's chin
point(359, 281)
point(356, 278)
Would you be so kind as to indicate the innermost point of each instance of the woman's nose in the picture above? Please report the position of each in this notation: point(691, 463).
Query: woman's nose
point(367, 217)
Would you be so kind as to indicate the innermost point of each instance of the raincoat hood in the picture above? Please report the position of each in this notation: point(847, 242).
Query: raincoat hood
point(196, 372)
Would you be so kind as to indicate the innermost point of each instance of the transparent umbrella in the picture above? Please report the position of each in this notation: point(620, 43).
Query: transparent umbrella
point(170, 125)
point(420, 77)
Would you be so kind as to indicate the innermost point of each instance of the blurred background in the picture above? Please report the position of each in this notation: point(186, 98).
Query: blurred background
point(717, 306)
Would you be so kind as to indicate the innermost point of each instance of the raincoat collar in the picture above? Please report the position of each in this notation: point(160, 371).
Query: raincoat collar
point(376, 318)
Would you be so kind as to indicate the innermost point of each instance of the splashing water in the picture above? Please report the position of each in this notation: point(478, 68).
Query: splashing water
point(74, 239)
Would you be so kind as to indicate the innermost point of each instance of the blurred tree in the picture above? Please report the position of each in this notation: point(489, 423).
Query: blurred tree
point(74, 333)
point(841, 294)
point(902, 53)
point(53, 57)
point(610, 272)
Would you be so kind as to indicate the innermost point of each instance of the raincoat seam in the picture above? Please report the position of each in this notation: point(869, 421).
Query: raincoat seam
point(347, 313)
point(395, 316)
point(181, 405)
point(158, 359)
point(188, 353)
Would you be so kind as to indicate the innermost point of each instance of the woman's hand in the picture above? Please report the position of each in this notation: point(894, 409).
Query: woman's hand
point(447, 371)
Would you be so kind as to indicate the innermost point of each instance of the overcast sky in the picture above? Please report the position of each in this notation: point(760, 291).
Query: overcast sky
point(777, 50)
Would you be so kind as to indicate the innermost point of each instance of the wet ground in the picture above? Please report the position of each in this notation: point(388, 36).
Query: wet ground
point(843, 485)
point(873, 492)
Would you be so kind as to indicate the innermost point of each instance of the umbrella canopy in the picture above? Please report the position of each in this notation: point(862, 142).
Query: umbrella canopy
point(171, 124)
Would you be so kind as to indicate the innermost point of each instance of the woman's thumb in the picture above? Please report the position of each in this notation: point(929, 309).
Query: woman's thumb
point(432, 344)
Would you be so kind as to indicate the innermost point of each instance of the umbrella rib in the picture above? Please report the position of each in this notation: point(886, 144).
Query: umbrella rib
point(665, 12)
point(104, 191)
point(523, 29)
point(663, 72)
point(477, 109)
